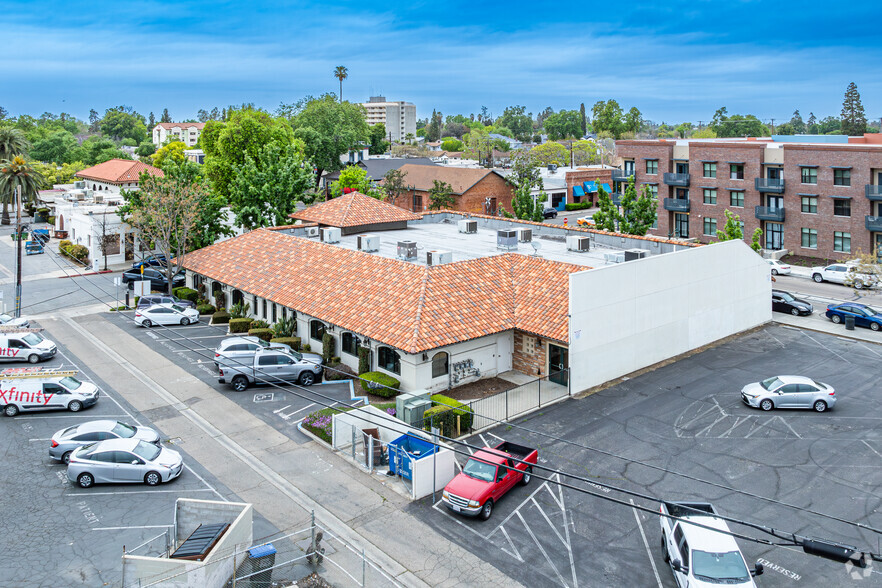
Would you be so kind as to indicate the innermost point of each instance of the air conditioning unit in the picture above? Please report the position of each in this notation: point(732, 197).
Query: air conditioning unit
point(552, 167)
point(312, 232)
point(618, 257)
point(468, 226)
point(80, 185)
point(368, 243)
point(99, 198)
point(632, 254)
point(330, 234)
point(578, 243)
point(438, 257)
point(407, 250)
point(507, 239)
point(525, 235)
point(80, 196)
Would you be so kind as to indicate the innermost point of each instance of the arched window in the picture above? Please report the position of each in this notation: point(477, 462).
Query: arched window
point(350, 343)
point(60, 222)
point(316, 329)
point(440, 364)
point(389, 360)
point(238, 297)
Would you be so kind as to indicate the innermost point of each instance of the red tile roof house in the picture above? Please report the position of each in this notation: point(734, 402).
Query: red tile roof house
point(116, 174)
point(475, 190)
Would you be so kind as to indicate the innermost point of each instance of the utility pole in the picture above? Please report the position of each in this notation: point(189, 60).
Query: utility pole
point(18, 264)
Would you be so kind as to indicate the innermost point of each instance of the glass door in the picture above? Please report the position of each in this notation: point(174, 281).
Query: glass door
point(774, 236)
point(681, 225)
point(773, 173)
point(775, 201)
point(879, 246)
point(558, 362)
point(682, 168)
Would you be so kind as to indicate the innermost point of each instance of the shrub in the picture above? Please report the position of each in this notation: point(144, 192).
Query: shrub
point(336, 370)
point(285, 327)
point(260, 324)
point(459, 409)
point(321, 422)
point(292, 342)
point(239, 325)
point(201, 290)
point(114, 308)
point(364, 360)
point(204, 309)
point(265, 334)
point(137, 298)
point(327, 347)
point(220, 299)
point(240, 310)
point(186, 294)
point(307, 347)
point(578, 205)
point(78, 252)
point(221, 317)
point(387, 407)
point(380, 384)
point(50, 219)
point(64, 244)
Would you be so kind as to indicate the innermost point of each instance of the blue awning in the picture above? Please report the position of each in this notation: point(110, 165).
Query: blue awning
point(590, 187)
point(578, 191)
point(606, 187)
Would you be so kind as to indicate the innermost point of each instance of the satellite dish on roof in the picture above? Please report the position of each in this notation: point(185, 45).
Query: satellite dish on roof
point(536, 247)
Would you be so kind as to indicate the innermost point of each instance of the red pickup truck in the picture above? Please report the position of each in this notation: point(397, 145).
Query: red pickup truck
point(487, 476)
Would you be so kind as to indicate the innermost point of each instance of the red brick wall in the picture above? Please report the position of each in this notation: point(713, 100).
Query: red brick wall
point(529, 355)
point(491, 186)
point(577, 176)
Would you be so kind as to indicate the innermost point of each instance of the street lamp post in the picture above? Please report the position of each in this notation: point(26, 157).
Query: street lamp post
point(18, 253)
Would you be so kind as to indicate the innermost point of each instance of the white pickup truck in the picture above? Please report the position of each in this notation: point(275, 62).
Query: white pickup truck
point(700, 557)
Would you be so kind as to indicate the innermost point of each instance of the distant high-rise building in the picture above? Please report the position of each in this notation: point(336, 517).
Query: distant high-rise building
point(399, 117)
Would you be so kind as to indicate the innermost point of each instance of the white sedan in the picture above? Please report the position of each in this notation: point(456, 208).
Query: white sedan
point(166, 314)
point(778, 267)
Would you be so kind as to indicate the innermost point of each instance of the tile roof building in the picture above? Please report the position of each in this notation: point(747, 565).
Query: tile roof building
point(188, 133)
point(356, 213)
point(116, 174)
point(475, 190)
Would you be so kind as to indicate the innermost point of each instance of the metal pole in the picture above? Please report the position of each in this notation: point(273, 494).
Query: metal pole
point(312, 526)
point(506, 405)
point(18, 265)
point(362, 567)
point(540, 392)
point(434, 469)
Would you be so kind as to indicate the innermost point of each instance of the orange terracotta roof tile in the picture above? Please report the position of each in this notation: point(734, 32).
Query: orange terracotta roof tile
point(352, 210)
point(461, 179)
point(407, 306)
point(118, 171)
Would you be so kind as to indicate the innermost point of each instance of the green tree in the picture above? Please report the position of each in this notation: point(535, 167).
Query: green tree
point(379, 144)
point(829, 125)
point(518, 121)
point(854, 121)
point(525, 177)
point(705, 133)
point(563, 125)
point(607, 214)
point(812, 124)
point(755, 240)
point(479, 145)
point(356, 179)
point(341, 73)
point(797, 123)
point(166, 117)
point(123, 121)
point(584, 118)
point(395, 184)
point(633, 120)
point(17, 174)
point(550, 153)
point(145, 149)
point(732, 229)
point(151, 122)
point(638, 213)
point(585, 152)
point(433, 129)
point(441, 195)
point(266, 187)
point(12, 144)
point(171, 153)
point(607, 116)
point(737, 125)
point(451, 144)
point(58, 175)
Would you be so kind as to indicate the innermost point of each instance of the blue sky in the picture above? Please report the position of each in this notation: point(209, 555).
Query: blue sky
point(675, 60)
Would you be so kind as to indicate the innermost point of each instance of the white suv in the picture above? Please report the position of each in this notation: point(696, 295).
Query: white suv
point(838, 273)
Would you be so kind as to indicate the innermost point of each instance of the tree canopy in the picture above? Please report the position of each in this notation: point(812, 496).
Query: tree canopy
point(854, 121)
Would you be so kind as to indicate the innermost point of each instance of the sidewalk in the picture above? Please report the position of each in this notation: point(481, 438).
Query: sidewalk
point(820, 323)
point(284, 479)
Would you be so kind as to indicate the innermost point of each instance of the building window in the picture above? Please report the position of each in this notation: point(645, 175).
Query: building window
point(710, 226)
point(842, 242)
point(440, 364)
point(810, 238)
point(654, 189)
point(254, 305)
point(389, 360)
point(417, 201)
point(809, 175)
point(841, 207)
point(842, 177)
point(710, 195)
point(284, 313)
point(736, 171)
point(264, 308)
point(274, 312)
point(710, 170)
point(316, 330)
point(810, 204)
point(736, 198)
point(350, 343)
point(652, 166)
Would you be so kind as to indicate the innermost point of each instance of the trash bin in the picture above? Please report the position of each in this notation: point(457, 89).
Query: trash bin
point(849, 323)
point(258, 567)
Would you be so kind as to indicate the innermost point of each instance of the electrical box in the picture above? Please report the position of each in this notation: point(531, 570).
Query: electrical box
point(415, 411)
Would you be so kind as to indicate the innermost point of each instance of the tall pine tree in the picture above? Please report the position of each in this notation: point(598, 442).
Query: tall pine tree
point(854, 121)
point(584, 119)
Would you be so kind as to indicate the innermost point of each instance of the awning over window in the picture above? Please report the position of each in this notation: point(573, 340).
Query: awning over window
point(590, 187)
point(578, 191)
point(606, 187)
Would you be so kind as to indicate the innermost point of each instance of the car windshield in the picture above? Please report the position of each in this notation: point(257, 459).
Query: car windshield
point(786, 297)
point(262, 343)
point(5, 318)
point(70, 383)
point(123, 430)
point(771, 383)
point(146, 450)
point(178, 308)
point(33, 339)
point(479, 470)
point(719, 567)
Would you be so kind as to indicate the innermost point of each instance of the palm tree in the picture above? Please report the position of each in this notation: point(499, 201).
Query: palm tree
point(18, 173)
point(341, 73)
point(12, 143)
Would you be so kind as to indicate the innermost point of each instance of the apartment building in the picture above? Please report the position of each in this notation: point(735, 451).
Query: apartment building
point(185, 132)
point(817, 196)
point(399, 117)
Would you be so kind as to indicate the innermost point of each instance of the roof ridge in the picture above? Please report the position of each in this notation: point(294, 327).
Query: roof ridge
point(421, 302)
point(349, 207)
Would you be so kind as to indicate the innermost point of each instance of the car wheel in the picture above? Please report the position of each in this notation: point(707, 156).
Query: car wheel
point(858, 285)
point(147, 323)
point(774, 272)
point(819, 406)
point(794, 311)
point(528, 473)
point(152, 478)
point(75, 406)
point(239, 383)
point(664, 548)
point(11, 410)
point(85, 480)
point(818, 278)
point(307, 378)
point(66, 457)
point(874, 326)
point(185, 321)
point(767, 405)
point(33, 358)
point(487, 510)
point(836, 319)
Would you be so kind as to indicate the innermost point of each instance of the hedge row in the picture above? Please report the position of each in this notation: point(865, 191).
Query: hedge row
point(221, 317)
point(240, 325)
point(380, 384)
point(462, 410)
point(292, 342)
point(578, 205)
point(265, 334)
point(186, 294)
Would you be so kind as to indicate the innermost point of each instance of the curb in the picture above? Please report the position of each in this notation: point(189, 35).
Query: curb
point(88, 274)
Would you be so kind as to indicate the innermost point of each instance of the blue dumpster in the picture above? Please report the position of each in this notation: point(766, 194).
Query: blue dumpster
point(404, 450)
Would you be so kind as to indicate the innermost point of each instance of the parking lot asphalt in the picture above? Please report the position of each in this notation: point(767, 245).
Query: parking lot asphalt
point(63, 535)
point(681, 432)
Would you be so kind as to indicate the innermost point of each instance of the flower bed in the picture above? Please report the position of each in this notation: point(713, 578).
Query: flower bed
point(321, 422)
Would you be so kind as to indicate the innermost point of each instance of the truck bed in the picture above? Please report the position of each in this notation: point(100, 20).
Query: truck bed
point(676, 509)
point(517, 451)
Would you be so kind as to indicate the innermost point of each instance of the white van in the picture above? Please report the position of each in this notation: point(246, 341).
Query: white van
point(27, 389)
point(32, 347)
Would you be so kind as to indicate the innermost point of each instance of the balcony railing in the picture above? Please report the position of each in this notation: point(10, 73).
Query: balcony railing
point(677, 180)
point(677, 204)
point(775, 185)
point(768, 213)
point(621, 175)
point(873, 192)
point(874, 223)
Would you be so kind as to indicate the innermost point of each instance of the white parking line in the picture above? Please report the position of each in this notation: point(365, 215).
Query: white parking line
point(539, 545)
point(138, 492)
point(70, 416)
point(35, 440)
point(646, 544)
point(871, 448)
point(108, 395)
point(139, 527)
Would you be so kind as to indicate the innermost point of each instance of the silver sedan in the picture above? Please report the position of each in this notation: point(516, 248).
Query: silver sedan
point(789, 392)
point(65, 441)
point(120, 461)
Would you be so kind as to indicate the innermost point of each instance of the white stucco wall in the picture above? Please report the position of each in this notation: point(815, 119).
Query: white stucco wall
point(631, 315)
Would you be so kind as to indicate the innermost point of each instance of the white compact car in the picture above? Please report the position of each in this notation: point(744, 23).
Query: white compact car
point(166, 314)
point(778, 268)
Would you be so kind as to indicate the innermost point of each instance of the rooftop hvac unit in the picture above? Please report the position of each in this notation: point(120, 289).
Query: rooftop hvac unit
point(525, 235)
point(507, 239)
point(330, 234)
point(415, 411)
point(552, 167)
point(578, 243)
point(407, 250)
point(312, 232)
point(617, 257)
point(80, 196)
point(468, 226)
point(438, 257)
point(99, 198)
point(89, 193)
point(632, 254)
point(80, 185)
point(368, 243)
point(402, 399)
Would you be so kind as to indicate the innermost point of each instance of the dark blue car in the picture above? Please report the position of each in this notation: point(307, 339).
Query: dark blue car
point(152, 261)
point(864, 316)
